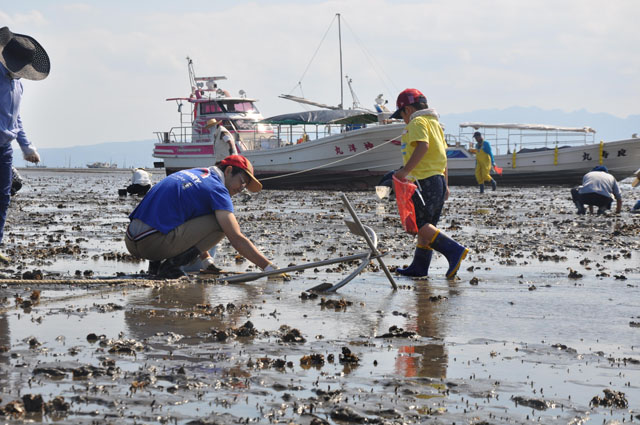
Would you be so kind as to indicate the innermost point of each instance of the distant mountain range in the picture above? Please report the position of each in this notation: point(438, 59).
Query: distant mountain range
point(138, 153)
point(608, 127)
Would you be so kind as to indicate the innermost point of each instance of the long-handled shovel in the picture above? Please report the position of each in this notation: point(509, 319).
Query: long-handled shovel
point(357, 228)
point(248, 277)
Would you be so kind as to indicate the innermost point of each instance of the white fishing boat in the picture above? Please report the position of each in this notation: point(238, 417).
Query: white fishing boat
point(102, 165)
point(354, 148)
point(331, 146)
point(541, 154)
point(312, 149)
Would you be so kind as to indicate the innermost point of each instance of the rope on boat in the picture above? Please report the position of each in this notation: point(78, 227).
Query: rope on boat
point(330, 163)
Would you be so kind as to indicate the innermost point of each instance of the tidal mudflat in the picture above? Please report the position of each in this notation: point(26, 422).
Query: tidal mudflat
point(541, 325)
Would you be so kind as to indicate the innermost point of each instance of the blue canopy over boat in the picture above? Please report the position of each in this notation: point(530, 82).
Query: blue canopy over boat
point(323, 116)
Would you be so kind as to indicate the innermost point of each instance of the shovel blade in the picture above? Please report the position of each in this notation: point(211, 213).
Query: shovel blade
point(320, 288)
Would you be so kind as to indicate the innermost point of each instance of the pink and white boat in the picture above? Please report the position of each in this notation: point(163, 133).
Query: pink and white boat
point(312, 149)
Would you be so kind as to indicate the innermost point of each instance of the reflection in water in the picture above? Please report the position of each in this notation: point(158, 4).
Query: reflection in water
point(5, 341)
point(427, 360)
point(181, 309)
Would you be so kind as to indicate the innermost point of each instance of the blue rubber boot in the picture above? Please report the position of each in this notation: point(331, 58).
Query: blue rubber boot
point(452, 250)
point(419, 267)
point(494, 185)
point(482, 188)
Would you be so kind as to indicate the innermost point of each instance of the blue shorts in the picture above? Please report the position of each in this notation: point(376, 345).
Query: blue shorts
point(433, 190)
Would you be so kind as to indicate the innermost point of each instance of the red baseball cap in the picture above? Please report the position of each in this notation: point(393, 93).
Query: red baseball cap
point(408, 97)
point(241, 162)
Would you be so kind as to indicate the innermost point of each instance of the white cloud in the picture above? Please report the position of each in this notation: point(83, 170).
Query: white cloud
point(76, 7)
point(31, 18)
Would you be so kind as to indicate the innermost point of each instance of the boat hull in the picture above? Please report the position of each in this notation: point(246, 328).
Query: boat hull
point(566, 167)
point(358, 159)
point(349, 160)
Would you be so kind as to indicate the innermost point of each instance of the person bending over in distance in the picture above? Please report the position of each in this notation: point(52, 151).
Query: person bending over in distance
point(598, 189)
point(140, 182)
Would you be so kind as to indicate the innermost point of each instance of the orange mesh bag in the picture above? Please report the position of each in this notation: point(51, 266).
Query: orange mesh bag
point(404, 191)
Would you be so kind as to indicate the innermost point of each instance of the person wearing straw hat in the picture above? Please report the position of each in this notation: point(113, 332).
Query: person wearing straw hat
point(424, 159)
point(21, 56)
point(187, 213)
point(484, 162)
point(223, 142)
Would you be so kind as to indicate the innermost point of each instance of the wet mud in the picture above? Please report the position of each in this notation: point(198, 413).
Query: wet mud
point(541, 325)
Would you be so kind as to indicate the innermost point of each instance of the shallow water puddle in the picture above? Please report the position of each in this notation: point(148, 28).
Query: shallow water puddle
point(450, 368)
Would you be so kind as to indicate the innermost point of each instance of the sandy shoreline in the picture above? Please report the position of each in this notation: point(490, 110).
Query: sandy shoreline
point(544, 317)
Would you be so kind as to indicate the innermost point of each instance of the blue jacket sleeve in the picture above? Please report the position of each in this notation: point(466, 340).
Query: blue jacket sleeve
point(25, 144)
point(486, 147)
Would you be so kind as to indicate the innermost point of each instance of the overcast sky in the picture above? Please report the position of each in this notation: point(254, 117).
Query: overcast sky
point(113, 63)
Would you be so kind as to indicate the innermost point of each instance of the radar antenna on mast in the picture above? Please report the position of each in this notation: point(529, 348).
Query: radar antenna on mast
point(199, 83)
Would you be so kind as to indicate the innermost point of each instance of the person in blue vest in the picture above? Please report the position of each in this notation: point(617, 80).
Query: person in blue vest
point(21, 56)
point(187, 213)
point(484, 162)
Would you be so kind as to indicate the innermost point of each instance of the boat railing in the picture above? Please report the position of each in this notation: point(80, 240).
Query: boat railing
point(258, 139)
point(252, 140)
point(455, 141)
point(507, 140)
point(175, 135)
point(292, 134)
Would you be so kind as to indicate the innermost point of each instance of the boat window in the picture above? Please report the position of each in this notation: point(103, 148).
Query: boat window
point(253, 125)
point(210, 108)
point(245, 124)
point(241, 107)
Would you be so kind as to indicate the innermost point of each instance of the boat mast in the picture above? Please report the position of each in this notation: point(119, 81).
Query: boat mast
point(340, 45)
point(192, 75)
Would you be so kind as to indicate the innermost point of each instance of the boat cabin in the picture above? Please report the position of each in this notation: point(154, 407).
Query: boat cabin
point(239, 115)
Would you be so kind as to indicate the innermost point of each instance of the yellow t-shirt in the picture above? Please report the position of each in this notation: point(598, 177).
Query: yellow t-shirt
point(425, 129)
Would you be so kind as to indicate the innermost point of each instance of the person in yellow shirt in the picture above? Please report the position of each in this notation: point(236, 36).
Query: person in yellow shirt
point(424, 158)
